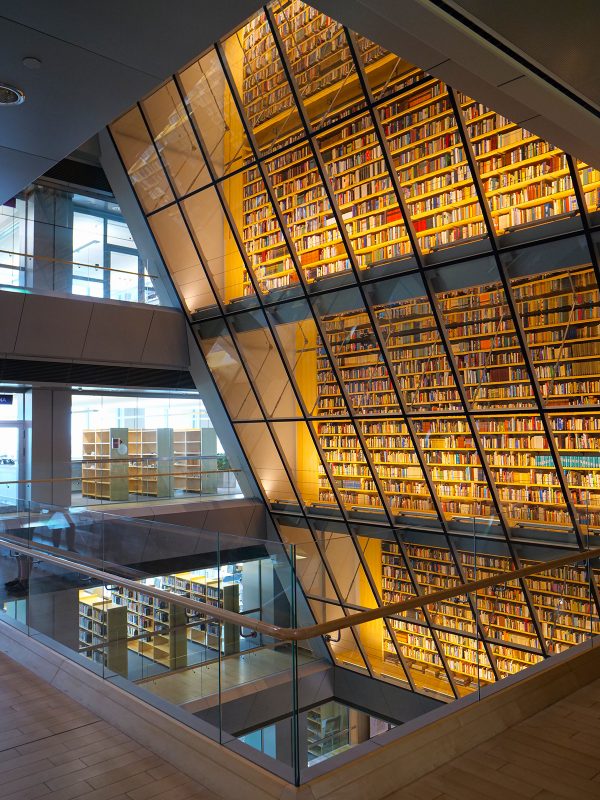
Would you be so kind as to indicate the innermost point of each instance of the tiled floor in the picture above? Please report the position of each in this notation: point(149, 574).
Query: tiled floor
point(53, 748)
point(554, 754)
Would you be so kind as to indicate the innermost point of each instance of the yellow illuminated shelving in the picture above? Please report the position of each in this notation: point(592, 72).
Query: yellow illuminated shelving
point(561, 599)
point(558, 312)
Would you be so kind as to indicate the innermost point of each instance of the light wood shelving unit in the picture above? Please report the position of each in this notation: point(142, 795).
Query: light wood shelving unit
point(197, 587)
point(102, 622)
point(150, 461)
point(104, 469)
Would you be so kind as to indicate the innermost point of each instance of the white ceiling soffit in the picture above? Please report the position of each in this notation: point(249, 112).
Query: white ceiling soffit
point(434, 40)
point(97, 59)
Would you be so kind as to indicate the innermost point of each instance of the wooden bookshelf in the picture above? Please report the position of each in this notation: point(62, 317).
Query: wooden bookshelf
point(525, 178)
point(102, 622)
point(162, 623)
point(150, 461)
point(561, 323)
point(187, 448)
point(196, 586)
point(104, 468)
point(561, 599)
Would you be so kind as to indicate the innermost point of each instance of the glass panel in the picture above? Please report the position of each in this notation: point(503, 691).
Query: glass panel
point(299, 338)
point(590, 182)
point(307, 213)
point(124, 276)
point(267, 466)
point(521, 465)
point(482, 335)
point(212, 107)
point(258, 74)
point(175, 139)
point(218, 246)
point(398, 468)
point(10, 439)
point(432, 167)
point(320, 61)
point(386, 72)
point(353, 342)
point(141, 161)
point(181, 259)
point(364, 192)
point(349, 467)
point(303, 460)
point(262, 360)
point(248, 202)
point(449, 451)
point(227, 370)
point(409, 331)
point(503, 611)
point(525, 178)
point(348, 571)
point(310, 567)
point(577, 438)
point(559, 312)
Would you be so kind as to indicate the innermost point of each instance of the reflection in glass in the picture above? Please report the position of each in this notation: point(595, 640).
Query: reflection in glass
point(141, 161)
point(212, 107)
point(175, 139)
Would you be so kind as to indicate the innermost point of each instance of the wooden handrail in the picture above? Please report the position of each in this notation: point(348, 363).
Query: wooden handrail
point(311, 631)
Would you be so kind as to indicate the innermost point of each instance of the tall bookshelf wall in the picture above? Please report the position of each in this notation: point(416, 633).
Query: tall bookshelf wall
point(474, 397)
point(558, 312)
point(561, 598)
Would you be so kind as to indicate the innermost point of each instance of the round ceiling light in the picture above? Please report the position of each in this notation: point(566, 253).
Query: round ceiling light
point(10, 96)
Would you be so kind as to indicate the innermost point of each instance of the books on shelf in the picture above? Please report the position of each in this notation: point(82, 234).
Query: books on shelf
point(561, 599)
point(557, 310)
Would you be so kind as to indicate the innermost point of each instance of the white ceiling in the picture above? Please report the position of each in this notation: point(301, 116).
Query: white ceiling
point(98, 58)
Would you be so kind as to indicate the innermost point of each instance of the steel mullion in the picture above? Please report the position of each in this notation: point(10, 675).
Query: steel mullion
point(437, 314)
point(242, 251)
point(230, 330)
point(294, 255)
point(519, 330)
point(342, 230)
point(408, 420)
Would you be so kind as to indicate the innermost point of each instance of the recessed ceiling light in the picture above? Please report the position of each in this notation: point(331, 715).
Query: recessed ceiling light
point(10, 96)
point(31, 62)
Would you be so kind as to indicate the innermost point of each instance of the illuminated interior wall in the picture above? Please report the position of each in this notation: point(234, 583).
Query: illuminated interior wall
point(396, 291)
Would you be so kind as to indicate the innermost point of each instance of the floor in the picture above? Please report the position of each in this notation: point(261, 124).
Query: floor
point(208, 680)
point(554, 754)
point(54, 749)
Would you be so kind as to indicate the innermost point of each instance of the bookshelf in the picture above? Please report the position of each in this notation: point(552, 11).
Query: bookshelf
point(590, 182)
point(150, 461)
point(561, 599)
point(162, 623)
point(525, 178)
point(104, 469)
point(102, 622)
point(198, 586)
point(560, 319)
point(187, 448)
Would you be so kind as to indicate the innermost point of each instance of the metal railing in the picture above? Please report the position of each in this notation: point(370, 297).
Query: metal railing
point(304, 633)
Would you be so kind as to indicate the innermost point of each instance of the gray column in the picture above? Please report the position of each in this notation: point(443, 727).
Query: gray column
point(48, 445)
